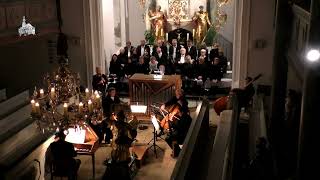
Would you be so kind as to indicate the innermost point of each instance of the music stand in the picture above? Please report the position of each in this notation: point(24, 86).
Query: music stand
point(156, 127)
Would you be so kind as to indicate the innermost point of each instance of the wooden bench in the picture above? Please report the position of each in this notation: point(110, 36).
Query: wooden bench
point(140, 152)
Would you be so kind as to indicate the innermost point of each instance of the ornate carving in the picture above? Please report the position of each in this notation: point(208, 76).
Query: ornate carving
point(178, 10)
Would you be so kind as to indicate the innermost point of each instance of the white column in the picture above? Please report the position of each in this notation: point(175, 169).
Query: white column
point(123, 16)
point(108, 31)
point(93, 37)
point(241, 42)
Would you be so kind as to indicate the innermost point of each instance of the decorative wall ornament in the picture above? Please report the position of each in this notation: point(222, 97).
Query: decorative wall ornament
point(221, 16)
point(222, 2)
point(178, 10)
point(26, 28)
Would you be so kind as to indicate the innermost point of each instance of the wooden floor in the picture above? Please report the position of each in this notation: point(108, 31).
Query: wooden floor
point(154, 168)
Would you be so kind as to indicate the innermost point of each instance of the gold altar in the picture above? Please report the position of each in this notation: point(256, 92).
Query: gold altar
point(152, 89)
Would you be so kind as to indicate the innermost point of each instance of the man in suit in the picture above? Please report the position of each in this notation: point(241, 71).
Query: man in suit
point(174, 51)
point(163, 47)
point(191, 50)
point(141, 66)
point(142, 48)
point(214, 52)
point(99, 81)
point(161, 57)
point(128, 50)
point(61, 153)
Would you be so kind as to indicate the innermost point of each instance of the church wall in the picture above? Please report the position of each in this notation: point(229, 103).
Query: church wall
point(137, 25)
point(73, 27)
point(261, 40)
point(23, 64)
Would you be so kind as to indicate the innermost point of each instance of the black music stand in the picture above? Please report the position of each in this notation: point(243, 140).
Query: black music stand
point(156, 127)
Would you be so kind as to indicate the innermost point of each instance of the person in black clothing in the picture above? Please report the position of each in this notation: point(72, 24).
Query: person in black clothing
point(142, 48)
point(163, 47)
point(178, 128)
point(223, 61)
point(161, 57)
point(61, 154)
point(122, 57)
point(108, 104)
point(216, 70)
point(174, 51)
point(187, 73)
point(141, 67)
point(191, 50)
point(114, 67)
point(202, 69)
point(146, 57)
point(214, 52)
point(128, 50)
point(129, 69)
point(120, 155)
point(99, 81)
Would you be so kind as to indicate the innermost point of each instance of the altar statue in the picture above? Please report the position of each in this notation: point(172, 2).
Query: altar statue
point(157, 19)
point(202, 20)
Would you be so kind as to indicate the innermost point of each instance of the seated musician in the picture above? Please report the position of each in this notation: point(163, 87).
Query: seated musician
point(61, 155)
point(108, 104)
point(99, 81)
point(178, 129)
point(120, 154)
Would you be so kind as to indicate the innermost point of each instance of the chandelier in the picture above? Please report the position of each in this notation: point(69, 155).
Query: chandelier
point(61, 104)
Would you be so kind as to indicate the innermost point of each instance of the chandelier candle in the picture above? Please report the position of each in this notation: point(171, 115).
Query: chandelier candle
point(37, 106)
point(33, 106)
point(80, 107)
point(65, 109)
point(98, 100)
point(90, 106)
point(52, 93)
point(41, 93)
point(87, 93)
point(187, 36)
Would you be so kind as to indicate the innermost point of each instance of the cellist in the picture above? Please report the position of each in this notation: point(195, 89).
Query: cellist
point(180, 125)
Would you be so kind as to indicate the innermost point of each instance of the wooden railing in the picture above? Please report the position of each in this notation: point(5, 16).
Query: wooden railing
point(188, 165)
point(222, 156)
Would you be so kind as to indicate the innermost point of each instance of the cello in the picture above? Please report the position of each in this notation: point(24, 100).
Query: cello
point(173, 114)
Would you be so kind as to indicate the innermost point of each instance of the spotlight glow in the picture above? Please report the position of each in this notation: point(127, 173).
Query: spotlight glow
point(313, 55)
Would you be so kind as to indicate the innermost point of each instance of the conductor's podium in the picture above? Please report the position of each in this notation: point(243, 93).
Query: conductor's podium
point(152, 90)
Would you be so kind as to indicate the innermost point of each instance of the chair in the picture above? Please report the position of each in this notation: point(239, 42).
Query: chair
point(63, 168)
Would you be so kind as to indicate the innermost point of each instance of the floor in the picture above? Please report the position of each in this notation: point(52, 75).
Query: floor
point(154, 168)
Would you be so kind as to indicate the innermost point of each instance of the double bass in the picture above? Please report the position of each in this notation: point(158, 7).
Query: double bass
point(221, 103)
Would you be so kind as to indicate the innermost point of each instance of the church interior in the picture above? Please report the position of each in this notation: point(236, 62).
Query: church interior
point(159, 89)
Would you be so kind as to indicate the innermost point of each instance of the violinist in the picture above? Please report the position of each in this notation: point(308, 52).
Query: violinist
point(180, 126)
